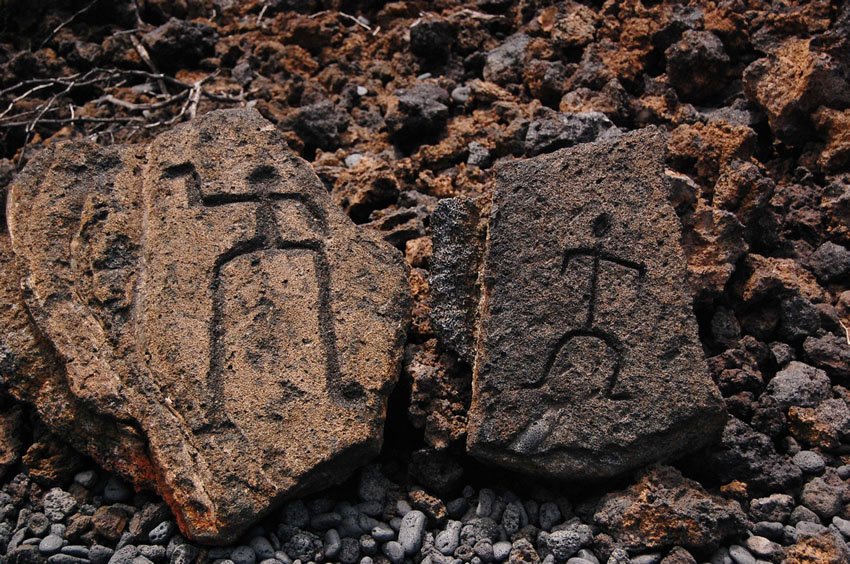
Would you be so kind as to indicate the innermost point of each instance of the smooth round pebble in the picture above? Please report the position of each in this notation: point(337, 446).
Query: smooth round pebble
point(100, 554)
point(394, 551)
point(383, 533)
point(243, 555)
point(501, 550)
point(262, 548)
point(843, 526)
point(411, 531)
point(587, 555)
point(741, 555)
point(51, 544)
point(86, 478)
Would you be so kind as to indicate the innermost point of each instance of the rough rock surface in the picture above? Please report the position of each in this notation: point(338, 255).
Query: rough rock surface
point(665, 509)
point(588, 362)
point(207, 293)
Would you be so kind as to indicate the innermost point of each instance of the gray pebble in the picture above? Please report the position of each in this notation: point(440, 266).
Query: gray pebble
point(843, 471)
point(577, 560)
point(411, 531)
point(587, 555)
point(394, 551)
point(651, 558)
point(100, 554)
point(771, 529)
point(368, 545)
point(51, 544)
point(550, 515)
point(66, 559)
point(243, 555)
point(116, 491)
point(809, 462)
point(86, 478)
point(124, 555)
point(282, 557)
point(161, 533)
point(843, 526)
point(58, 504)
point(808, 528)
point(402, 508)
point(484, 550)
point(331, 544)
point(741, 555)
point(57, 529)
point(486, 498)
point(362, 90)
point(141, 560)
point(457, 507)
point(352, 159)
point(383, 533)
point(366, 560)
point(762, 547)
point(448, 539)
point(77, 550)
point(721, 556)
point(460, 94)
point(262, 547)
point(501, 550)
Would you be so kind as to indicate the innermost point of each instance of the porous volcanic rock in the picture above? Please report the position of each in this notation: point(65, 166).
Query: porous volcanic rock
point(665, 509)
point(205, 292)
point(587, 357)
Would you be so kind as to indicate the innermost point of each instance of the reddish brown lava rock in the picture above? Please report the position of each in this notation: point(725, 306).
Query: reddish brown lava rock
point(205, 292)
point(825, 548)
point(665, 509)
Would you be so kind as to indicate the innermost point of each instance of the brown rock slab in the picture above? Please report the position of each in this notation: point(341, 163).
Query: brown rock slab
point(665, 509)
point(587, 357)
point(205, 292)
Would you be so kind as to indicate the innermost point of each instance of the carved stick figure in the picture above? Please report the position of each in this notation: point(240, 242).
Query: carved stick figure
point(267, 237)
point(538, 430)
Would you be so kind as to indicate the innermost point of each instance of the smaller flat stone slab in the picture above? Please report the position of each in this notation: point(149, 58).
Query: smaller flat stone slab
point(588, 362)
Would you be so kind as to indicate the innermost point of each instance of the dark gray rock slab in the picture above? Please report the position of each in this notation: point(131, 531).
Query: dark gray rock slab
point(587, 361)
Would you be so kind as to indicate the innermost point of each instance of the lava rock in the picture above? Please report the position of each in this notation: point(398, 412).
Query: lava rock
point(555, 130)
point(799, 385)
point(503, 64)
point(432, 38)
point(559, 391)
point(216, 173)
point(664, 509)
point(697, 65)
point(417, 114)
point(794, 79)
point(179, 43)
point(320, 125)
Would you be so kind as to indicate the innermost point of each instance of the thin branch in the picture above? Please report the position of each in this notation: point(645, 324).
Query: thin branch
point(59, 27)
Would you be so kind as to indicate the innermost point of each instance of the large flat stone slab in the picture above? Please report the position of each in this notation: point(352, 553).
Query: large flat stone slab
point(205, 292)
point(587, 360)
